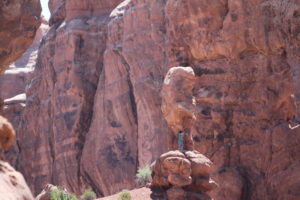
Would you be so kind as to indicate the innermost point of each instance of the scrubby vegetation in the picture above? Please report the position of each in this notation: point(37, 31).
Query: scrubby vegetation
point(60, 194)
point(124, 195)
point(143, 176)
point(88, 194)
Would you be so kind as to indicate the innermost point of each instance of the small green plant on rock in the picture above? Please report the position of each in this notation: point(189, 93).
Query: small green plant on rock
point(59, 194)
point(124, 195)
point(143, 176)
point(88, 194)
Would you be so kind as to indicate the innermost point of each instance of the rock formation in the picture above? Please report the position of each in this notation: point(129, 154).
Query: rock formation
point(95, 110)
point(13, 85)
point(178, 103)
point(14, 80)
point(183, 176)
point(18, 24)
point(19, 21)
point(13, 185)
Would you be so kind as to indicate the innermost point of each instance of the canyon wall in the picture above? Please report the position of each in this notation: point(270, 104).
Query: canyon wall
point(94, 105)
point(13, 85)
point(19, 20)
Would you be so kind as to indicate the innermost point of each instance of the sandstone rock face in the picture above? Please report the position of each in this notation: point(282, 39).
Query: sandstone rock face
point(13, 82)
point(13, 85)
point(95, 106)
point(89, 8)
point(178, 102)
point(19, 21)
point(184, 180)
point(13, 185)
point(231, 185)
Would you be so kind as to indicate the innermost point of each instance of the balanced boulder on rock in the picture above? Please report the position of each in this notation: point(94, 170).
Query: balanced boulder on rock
point(183, 175)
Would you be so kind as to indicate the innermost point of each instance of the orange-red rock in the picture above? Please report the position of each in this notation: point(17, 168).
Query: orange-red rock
point(181, 185)
point(95, 100)
point(12, 183)
point(7, 134)
point(19, 20)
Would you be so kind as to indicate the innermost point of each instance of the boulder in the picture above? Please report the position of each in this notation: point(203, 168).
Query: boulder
point(200, 164)
point(175, 164)
point(13, 185)
point(179, 181)
point(175, 173)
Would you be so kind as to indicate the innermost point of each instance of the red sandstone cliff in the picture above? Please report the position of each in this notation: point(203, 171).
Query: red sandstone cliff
point(95, 109)
point(19, 21)
point(13, 85)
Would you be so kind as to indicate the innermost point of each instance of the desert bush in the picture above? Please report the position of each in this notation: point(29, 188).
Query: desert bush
point(124, 195)
point(88, 194)
point(59, 194)
point(143, 176)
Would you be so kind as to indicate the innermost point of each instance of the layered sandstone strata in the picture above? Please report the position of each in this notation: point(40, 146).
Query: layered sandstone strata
point(95, 108)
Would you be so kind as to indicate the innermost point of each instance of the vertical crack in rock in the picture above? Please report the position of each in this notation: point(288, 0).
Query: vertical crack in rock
point(131, 90)
point(131, 96)
point(225, 13)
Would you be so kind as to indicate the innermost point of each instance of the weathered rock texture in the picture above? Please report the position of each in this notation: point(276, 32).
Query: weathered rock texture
point(19, 21)
point(13, 185)
point(179, 104)
point(45, 194)
point(18, 24)
point(94, 107)
point(14, 80)
point(13, 85)
point(182, 176)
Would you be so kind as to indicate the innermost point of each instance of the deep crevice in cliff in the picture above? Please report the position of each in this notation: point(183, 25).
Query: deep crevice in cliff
point(132, 98)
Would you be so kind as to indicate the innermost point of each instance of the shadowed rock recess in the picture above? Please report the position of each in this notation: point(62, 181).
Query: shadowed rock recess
point(98, 107)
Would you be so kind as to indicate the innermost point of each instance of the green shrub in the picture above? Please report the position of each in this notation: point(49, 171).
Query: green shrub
point(143, 176)
point(124, 195)
point(88, 194)
point(59, 194)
